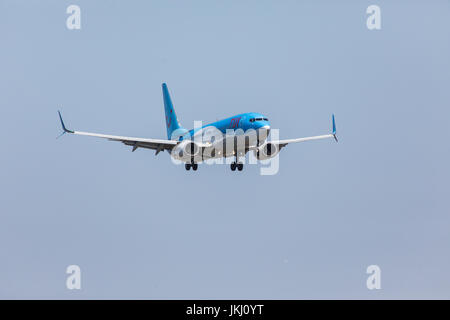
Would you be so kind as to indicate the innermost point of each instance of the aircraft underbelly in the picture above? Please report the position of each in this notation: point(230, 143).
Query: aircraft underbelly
point(222, 145)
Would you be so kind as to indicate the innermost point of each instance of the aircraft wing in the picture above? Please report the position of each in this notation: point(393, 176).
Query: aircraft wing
point(283, 143)
point(155, 144)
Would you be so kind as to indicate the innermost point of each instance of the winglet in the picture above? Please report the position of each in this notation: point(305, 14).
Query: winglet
point(63, 126)
point(334, 128)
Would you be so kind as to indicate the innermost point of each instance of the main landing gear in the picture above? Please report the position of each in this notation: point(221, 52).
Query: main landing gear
point(188, 166)
point(237, 165)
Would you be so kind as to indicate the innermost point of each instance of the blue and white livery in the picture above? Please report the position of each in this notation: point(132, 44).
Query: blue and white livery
point(230, 137)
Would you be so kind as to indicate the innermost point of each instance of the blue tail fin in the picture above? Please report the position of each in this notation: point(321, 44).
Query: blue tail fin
point(172, 123)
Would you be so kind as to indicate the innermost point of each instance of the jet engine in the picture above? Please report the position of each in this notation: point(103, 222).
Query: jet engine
point(266, 151)
point(186, 150)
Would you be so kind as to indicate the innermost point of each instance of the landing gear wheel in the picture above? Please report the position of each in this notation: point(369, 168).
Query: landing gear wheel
point(194, 166)
point(233, 166)
point(240, 166)
point(187, 166)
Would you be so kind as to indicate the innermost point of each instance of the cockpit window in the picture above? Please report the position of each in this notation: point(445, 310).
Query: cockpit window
point(258, 119)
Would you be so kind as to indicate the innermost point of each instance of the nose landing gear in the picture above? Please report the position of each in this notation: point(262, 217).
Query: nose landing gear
point(188, 166)
point(237, 165)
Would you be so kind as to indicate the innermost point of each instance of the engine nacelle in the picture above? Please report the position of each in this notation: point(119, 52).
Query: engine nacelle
point(186, 150)
point(266, 151)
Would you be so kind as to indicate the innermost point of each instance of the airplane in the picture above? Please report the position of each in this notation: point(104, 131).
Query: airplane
point(230, 137)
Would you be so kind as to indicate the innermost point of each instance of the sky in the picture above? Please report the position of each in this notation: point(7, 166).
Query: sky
point(140, 227)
